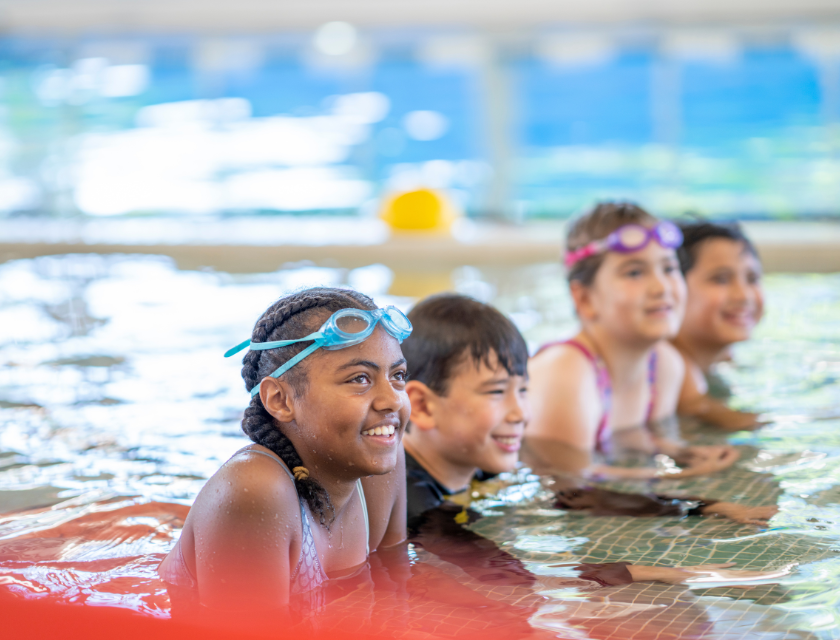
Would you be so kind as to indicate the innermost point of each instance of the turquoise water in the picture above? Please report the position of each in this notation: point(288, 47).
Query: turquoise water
point(116, 405)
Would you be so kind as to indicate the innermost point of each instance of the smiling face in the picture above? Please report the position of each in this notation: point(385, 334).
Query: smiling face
point(480, 421)
point(636, 297)
point(725, 297)
point(350, 417)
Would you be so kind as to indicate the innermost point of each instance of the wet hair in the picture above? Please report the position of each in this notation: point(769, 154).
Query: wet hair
point(449, 328)
point(596, 224)
point(293, 316)
point(696, 233)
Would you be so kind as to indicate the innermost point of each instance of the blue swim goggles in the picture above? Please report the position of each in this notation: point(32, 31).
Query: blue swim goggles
point(345, 328)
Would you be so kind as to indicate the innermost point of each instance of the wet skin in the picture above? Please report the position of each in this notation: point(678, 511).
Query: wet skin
point(242, 538)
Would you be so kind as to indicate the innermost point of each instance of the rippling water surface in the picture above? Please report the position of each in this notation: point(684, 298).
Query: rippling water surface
point(116, 405)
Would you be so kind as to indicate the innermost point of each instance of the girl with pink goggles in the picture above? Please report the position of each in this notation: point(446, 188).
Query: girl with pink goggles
point(629, 238)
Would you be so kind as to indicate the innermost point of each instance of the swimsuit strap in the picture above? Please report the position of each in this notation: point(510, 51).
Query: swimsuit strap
point(364, 514)
point(602, 376)
point(652, 385)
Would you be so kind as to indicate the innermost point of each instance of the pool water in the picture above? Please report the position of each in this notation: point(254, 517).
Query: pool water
point(116, 406)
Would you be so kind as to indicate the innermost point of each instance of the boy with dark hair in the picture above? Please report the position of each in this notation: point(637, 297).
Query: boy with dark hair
point(468, 389)
point(468, 367)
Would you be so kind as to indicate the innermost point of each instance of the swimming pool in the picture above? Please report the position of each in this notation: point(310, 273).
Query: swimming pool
point(116, 405)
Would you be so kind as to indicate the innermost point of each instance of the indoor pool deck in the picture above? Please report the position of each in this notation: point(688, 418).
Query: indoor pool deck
point(259, 245)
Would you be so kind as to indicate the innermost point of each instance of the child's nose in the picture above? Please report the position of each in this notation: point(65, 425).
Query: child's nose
point(658, 284)
point(387, 398)
point(518, 410)
point(740, 290)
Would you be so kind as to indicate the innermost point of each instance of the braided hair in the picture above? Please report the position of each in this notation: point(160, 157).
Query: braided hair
point(293, 316)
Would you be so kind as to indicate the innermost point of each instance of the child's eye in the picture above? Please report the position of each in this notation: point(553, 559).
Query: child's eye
point(670, 268)
point(721, 278)
point(496, 392)
point(362, 378)
point(753, 278)
point(402, 376)
point(634, 273)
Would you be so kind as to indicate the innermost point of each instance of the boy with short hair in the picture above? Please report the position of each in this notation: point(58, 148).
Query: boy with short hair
point(468, 384)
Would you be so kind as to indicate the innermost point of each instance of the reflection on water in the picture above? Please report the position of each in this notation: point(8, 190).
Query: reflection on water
point(116, 405)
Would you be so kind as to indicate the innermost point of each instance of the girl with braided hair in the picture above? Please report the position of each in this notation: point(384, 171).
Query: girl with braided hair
point(323, 484)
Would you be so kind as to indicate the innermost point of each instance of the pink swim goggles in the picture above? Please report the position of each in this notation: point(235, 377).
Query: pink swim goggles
point(629, 238)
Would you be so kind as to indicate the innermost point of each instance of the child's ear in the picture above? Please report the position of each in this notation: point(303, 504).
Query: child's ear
point(278, 399)
point(423, 404)
point(582, 298)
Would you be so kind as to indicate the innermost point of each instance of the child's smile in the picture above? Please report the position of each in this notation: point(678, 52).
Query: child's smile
point(356, 408)
point(509, 444)
point(383, 432)
point(725, 300)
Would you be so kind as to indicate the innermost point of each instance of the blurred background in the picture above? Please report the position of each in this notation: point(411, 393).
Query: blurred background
point(520, 111)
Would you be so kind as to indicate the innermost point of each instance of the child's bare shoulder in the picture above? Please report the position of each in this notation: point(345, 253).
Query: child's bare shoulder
point(562, 359)
point(670, 361)
point(249, 483)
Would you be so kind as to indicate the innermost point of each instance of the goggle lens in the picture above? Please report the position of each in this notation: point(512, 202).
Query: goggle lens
point(399, 320)
point(352, 324)
point(669, 235)
point(633, 237)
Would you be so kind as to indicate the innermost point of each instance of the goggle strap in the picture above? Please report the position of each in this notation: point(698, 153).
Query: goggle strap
point(289, 364)
point(237, 348)
point(262, 346)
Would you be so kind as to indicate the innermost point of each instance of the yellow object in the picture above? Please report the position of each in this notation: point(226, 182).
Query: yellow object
point(420, 284)
point(462, 517)
point(421, 210)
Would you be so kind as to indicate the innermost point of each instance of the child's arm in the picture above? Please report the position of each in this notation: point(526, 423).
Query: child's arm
point(672, 373)
point(385, 496)
point(439, 533)
point(246, 518)
point(694, 401)
point(605, 502)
